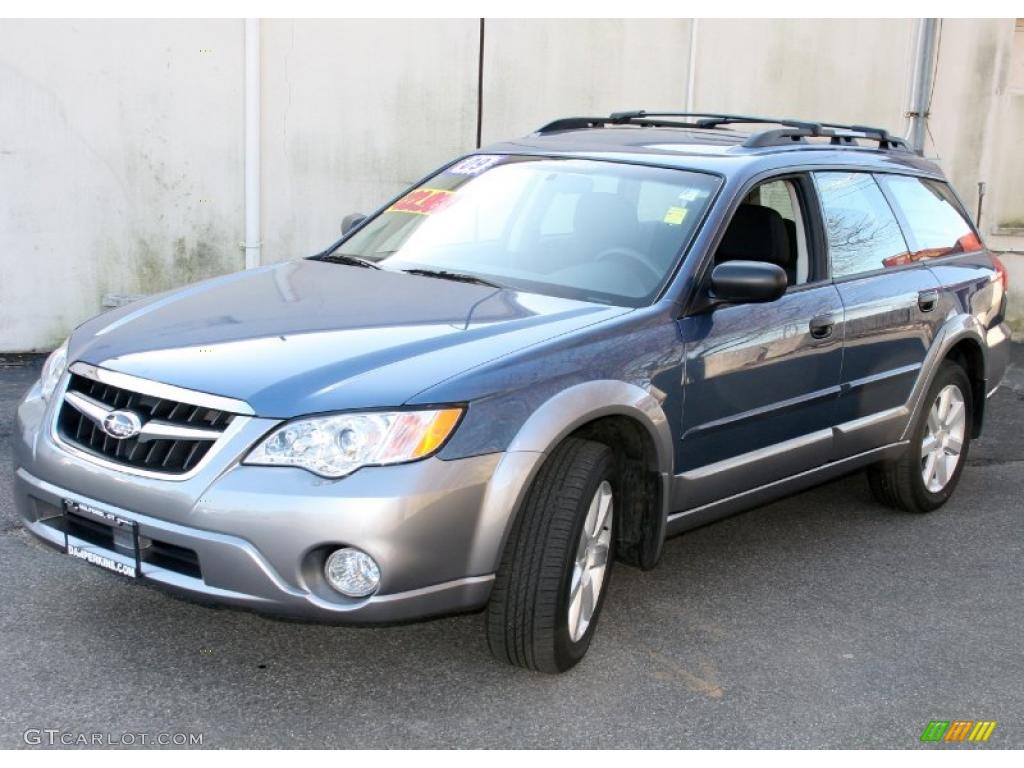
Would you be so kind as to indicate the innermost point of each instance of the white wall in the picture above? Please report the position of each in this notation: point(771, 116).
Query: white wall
point(536, 71)
point(113, 135)
point(354, 112)
point(965, 133)
point(121, 142)
point(852, 70)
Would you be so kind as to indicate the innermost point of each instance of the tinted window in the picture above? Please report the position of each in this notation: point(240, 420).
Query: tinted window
point(937, 228)
point(862, 231)
point(781, 196)
point(581, 229)
point(768, 226)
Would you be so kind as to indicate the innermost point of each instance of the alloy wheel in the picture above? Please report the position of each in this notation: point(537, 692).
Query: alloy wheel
point(943, 441)
point(591, 563)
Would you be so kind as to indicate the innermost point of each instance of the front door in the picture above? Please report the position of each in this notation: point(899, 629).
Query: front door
point(761, 380)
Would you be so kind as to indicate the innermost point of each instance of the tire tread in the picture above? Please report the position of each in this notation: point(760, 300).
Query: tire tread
point(522, 614)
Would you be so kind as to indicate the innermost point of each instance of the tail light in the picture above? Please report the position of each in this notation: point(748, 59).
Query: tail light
point(1001, 274)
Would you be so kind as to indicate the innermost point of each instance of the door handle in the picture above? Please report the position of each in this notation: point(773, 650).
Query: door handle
point(822, 327)
point(926, 300)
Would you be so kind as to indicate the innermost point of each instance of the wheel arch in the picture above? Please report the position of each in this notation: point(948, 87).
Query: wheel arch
point(967, 352)
point(961, 338)
point(622, 415)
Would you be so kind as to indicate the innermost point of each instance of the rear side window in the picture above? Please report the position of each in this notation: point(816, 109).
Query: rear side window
point(863, 235)
point(935, 225)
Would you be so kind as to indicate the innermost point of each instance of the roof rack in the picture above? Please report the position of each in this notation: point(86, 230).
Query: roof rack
point(793, 131)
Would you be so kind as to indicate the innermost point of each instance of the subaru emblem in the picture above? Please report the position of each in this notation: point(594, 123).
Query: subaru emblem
point(121, 425)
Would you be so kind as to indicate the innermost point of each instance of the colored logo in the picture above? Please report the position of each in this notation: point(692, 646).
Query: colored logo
point(958, 730)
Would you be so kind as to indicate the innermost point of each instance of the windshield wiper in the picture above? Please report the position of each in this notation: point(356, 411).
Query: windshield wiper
point(460, 277)
point(346, 259)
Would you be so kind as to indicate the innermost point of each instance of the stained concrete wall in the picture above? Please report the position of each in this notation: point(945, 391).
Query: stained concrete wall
point(121, 142)
point(853, 70)
point(536, 71)
point(965, 135)
point(354, 112)
point(120, 165)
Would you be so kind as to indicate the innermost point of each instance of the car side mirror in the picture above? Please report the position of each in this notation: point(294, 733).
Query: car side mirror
point(352, 221)
point(747, 282)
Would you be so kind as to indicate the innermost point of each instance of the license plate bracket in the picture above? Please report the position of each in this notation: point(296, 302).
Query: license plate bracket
point(122, 563)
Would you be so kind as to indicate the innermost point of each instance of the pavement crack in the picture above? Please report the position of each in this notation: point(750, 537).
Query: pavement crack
point(992, 462)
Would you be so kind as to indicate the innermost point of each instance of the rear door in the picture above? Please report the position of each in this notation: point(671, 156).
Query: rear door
point(890, 301)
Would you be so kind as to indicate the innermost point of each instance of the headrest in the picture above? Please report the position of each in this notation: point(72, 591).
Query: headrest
point(756, 233)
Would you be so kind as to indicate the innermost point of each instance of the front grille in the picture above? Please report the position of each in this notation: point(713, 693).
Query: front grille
point(169, 456)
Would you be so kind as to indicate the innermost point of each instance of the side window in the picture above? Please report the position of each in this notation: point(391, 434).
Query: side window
point(862, 231)
point(937, 227)
point(769, 226)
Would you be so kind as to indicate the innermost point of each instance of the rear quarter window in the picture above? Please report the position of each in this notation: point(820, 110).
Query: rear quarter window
point(935, 225)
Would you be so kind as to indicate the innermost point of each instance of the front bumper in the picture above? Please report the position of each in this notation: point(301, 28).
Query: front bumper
point(259, 535)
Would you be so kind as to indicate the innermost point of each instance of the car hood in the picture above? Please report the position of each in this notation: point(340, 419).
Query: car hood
point(308, 336)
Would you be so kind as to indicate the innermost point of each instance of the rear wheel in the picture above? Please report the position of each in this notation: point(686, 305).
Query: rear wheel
point(926, 475)
point(555, 568)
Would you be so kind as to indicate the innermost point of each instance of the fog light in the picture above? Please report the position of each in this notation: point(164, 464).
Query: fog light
point(353, 573)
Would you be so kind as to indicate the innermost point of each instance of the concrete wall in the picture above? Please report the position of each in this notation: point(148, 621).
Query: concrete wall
point(855, 70)
point(536, 71)
point(354, 112)
point(1006, 167)
point(120, 165)
point(964, 137)
point(121, 142)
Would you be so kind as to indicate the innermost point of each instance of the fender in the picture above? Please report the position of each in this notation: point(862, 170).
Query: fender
point(954, 330)
point(551, 423)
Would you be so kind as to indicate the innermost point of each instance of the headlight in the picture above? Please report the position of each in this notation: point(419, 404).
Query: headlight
point(334, 446)
point(53, 369)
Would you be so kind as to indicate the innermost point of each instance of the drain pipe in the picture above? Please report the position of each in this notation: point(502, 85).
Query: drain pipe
point(252, 243)
point(924, 75)
point(691, 72)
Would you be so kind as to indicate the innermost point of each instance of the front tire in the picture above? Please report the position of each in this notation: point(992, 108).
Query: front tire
point(555, 569)
point(924, 478)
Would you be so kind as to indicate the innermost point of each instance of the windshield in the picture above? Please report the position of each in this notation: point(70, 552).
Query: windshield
point(580, 229)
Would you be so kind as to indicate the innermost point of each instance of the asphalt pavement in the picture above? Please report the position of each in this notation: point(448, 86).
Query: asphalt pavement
point(822, 620)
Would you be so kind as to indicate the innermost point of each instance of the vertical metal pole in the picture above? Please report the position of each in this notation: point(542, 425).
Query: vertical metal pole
point(691, 72)
point(252, 242)
point(925, 75)
point(480, 88)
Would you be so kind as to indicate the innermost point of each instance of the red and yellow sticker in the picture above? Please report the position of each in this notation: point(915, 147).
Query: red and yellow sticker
point(423, 201)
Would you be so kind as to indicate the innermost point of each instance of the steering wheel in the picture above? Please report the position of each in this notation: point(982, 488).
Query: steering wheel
point(633, 255)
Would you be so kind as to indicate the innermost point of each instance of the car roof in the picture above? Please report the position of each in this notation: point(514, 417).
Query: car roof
point(714, 150)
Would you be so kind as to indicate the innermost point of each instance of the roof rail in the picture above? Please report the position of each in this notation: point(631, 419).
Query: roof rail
point(794, 131)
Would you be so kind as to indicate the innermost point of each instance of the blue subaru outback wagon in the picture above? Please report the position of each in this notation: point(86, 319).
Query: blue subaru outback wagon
point(546, 356)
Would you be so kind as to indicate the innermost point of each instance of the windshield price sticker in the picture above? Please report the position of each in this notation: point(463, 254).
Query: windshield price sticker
point(691, 194)
point(424, 201)
point(474, 165)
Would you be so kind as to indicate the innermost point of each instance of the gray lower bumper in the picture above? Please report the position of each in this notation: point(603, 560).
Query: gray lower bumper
point(256, 584)
point(259, 535)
